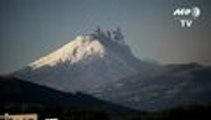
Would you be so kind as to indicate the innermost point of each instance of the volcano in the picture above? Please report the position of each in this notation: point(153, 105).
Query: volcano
point(85, 62)
point(101, 64)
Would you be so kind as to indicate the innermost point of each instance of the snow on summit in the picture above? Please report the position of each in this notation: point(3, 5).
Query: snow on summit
point(80, 48)
point(83, 46)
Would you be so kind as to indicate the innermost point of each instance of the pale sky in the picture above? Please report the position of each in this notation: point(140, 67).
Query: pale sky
point(30, 29)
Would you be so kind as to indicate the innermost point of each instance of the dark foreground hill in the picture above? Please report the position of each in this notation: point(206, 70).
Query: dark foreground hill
point(17, 96)
point(192, 112)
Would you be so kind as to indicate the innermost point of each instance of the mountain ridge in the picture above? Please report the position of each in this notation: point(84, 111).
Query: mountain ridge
point(190, 84)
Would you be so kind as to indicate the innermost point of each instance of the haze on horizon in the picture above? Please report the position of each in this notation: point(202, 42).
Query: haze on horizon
point(31, 29)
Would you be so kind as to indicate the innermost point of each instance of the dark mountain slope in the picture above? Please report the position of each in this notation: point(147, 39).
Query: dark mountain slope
point(16, 94)
point(177, 86)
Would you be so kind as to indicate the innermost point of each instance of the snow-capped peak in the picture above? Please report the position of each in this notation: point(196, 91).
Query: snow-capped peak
point(80, 48)
point(83, 63)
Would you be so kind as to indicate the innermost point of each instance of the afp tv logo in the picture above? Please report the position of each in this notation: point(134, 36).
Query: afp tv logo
point(186, 16)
